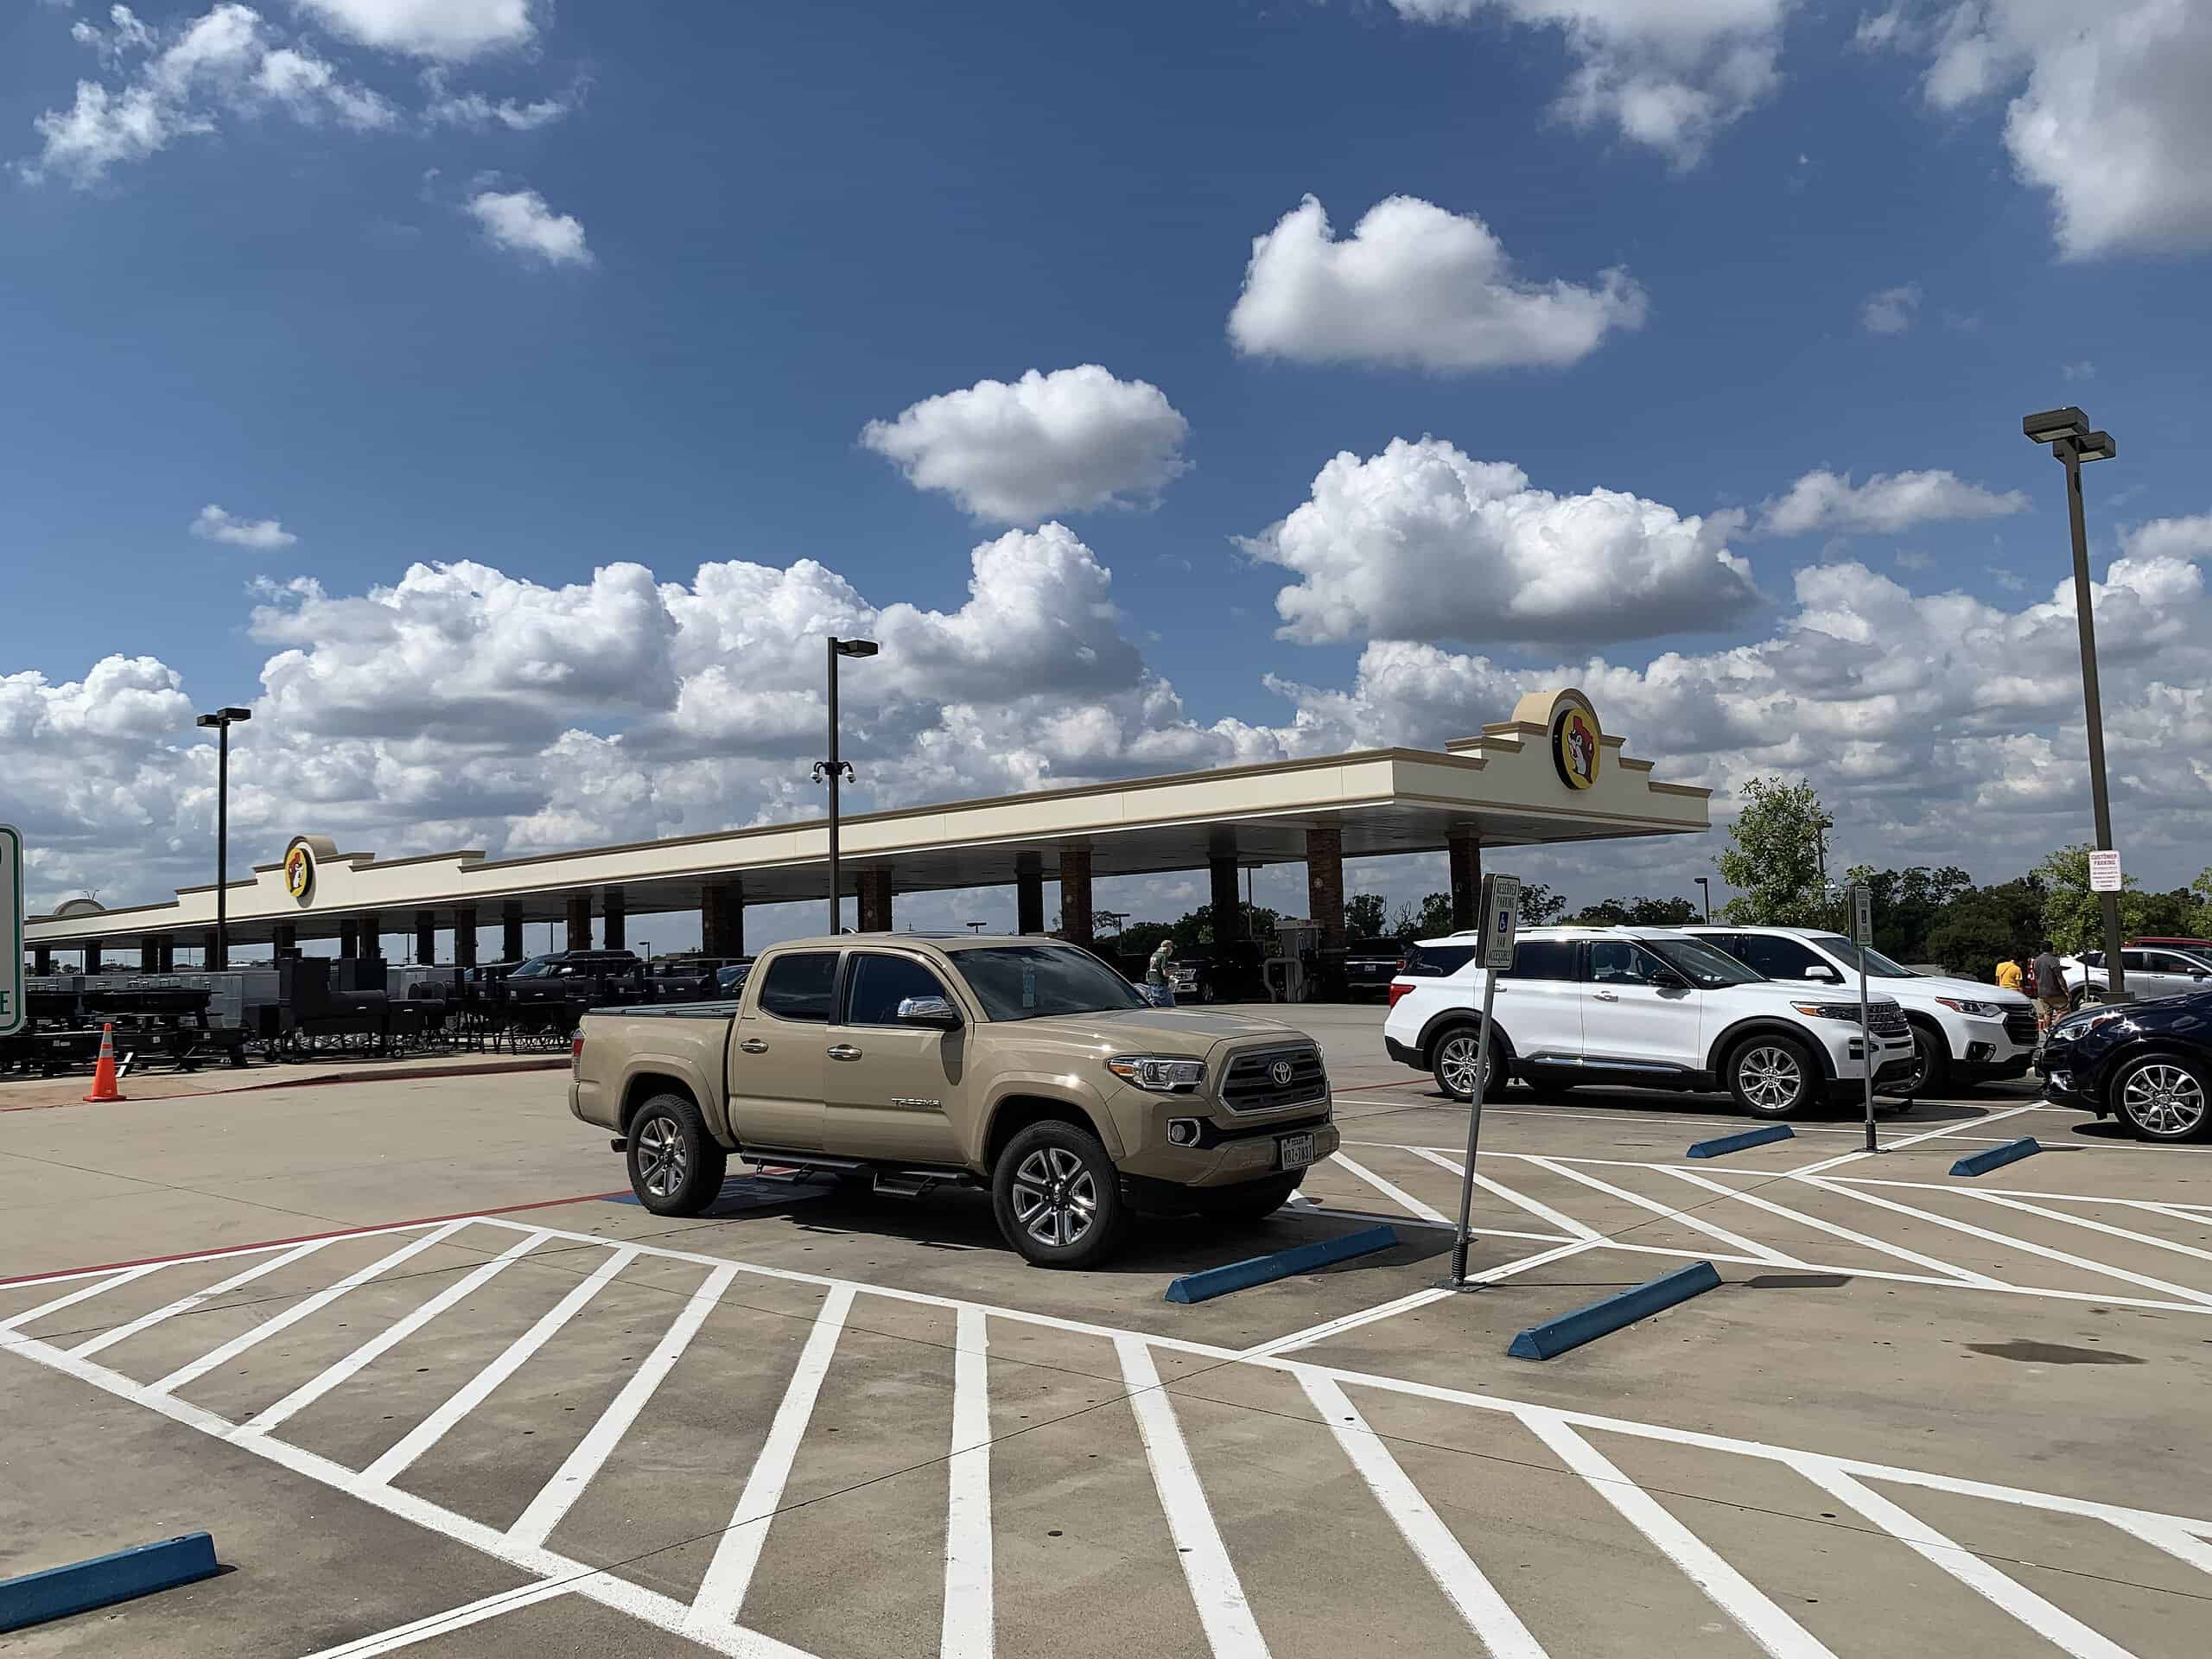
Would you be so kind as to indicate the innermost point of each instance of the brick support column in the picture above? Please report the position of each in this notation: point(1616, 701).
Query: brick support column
point(349, 939)
point(207, 956)
point(1325, 883)
point(371, 926)
point(426, 937)
point(615, 912)
point(286, 942)
point(92, 963)
point(464, 936)
point(875, 887)
point(579, 921)
point(722, 918)
point(510, 944)
point(1075, 895)
point(150, 955)
point(168, 955)
point(1228, 903)
point(41, 959)
point(1467, 877)
point(1028, 899)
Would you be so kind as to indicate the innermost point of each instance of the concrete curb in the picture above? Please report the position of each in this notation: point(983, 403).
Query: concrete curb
point(58, 1591)
point(2012, 1152)
point(1555, 1337)
point(1264, 1269)
point(1722, 1146)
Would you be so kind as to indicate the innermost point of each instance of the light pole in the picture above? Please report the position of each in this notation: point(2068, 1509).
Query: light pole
point(2067, 432)
point(222, 719)
point(1704, 886)
point(835, 770)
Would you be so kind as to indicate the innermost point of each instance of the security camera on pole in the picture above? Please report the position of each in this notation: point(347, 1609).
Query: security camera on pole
point(1498, 922)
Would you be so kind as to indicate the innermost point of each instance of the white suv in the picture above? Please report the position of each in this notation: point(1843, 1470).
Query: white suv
point(1966, 1032)
point(1647, 1006)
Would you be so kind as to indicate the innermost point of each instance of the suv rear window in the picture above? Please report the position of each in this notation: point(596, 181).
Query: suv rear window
point(1435, 961)
point(801, 986)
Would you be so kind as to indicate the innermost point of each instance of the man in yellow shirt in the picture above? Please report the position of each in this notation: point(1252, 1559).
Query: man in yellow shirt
point(2009, 976)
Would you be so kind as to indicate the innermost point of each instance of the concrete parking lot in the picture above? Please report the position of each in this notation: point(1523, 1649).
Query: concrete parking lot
point(433, 1389)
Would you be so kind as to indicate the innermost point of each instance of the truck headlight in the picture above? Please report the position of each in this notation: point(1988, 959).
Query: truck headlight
point(1968, 1005)
point(1158, 1074)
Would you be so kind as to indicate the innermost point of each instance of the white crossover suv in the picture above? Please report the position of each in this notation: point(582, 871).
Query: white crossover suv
point(1965, 1032)
point(1647, 1006)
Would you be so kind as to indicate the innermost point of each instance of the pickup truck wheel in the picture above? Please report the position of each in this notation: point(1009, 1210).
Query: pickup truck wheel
point(1771, 1077)
point(1058, 1197)
point(675, 1166)
point(1247, 1200)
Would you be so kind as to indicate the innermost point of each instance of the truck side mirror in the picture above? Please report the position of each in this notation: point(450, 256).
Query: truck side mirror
point(933, 1011)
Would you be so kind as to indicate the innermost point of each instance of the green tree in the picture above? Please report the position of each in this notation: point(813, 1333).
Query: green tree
point(1775, 860)
point(1908, 904)
point(1981, 927)
point(1638, 913)
point(1365, 918)
point(2074, 920)
point(1540, 904)
point(1432, 921)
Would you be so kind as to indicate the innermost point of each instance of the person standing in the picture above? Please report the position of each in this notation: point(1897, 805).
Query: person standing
point(2050, 987)
point(2009, 976)
point(1158, 988)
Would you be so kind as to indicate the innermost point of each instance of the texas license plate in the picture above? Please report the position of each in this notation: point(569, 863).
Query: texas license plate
point(1297, 1151)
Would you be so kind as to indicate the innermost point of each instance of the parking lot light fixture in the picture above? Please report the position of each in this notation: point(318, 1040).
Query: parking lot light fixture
point(835, 770)
point(221, 722)
point(2067, 431)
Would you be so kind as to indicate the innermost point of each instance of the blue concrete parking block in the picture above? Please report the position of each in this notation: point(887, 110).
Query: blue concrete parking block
point(2012, 1152)
point(1263, 1270)
point(1722, 1146)
point(59, 1592)
point(1555, 1337)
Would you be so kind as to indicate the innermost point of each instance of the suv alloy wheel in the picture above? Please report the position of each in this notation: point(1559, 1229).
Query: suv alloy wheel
point(1771, 1077)
point(1452, 1063)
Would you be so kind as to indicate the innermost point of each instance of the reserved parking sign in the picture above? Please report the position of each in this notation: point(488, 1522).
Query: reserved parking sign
point(11, 930)
point(1501, 918)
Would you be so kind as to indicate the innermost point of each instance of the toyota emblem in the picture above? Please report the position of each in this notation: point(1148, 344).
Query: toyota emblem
point(1282, 1073)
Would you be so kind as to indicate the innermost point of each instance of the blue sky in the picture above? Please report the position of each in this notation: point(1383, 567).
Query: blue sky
point(791, 221)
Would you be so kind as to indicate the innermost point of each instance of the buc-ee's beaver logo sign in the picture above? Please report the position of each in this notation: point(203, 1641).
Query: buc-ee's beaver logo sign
point(1574, 747)
point(299, 871)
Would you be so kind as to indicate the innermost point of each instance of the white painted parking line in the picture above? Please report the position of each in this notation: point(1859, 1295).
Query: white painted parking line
point(555, 1498)
point(2086, 1223)
point(1566, 1223)
point(82, 1293)
point(1948, 1270)
point(2011, 1241)
point(1397, 1195)
point(473, 1393)
point(729, 1575)
point(969, 1607)
point(1735, 1595)
point(2174, 1540)
point(438, 1625)
point(1224, 1613)
point(2055, 1626)
point(1735, 1242)
point(1982, 1121)
point(1495, 1624)
point(185, 1303)
point(389, 1337)
point(299, 1310)
point(1321, 1332)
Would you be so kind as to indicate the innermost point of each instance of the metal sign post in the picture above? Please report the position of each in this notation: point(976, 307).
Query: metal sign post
point(1862, 935)
point(1499, 921)
point(12, 1011)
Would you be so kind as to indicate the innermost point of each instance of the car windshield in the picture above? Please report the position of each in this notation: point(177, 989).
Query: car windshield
point(1877, 965)
point(1701, 964)
point(535, 968)
point(1027, 981)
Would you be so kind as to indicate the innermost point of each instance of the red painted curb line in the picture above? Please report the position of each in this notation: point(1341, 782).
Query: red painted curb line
point(464, 1070)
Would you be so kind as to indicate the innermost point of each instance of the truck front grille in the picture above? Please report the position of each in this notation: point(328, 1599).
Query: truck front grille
point(1250, 1084)
point(1886, 1020)
point(2020, 1026)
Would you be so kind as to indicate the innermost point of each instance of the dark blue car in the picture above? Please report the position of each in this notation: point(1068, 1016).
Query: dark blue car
point(2149, 1064)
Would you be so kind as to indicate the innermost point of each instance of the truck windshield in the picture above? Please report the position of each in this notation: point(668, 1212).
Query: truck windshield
point(1701, 964)
point(1877, 965)
point(1027, 981)
point(535, 968)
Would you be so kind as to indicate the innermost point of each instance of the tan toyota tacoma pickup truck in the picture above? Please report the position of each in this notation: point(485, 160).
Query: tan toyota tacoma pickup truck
point(1023, 1065)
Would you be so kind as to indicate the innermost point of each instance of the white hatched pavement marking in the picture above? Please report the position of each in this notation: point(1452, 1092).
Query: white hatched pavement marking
point(1559, 1219)
point(185, 1303)
point(2182, 1545)
point(721, 1592)
point(1456, 1575)
point(1925, 1135)
point(1396, 1195)
point(1729, 1590)
point(1328, 1328)
point(389, 1337)
point(1948, 1269)
point(1224, 1613)
point(82, 1293)
point(970, 1615)
point(2062, 1628)
point(2087, 1222)
point(438, 1625)
point(1695, 1223)
point(2201, 1298)
point(472, 1393)
point(555, 1498)
point(299, 1310)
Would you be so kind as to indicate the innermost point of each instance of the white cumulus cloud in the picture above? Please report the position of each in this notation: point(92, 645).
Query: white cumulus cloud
point(1892, 311)
point(1067, 441)
point(448, 29)
point(449, 108)
point(214, 525)
point(1885, 503)
point(1415, 286)
point(1421, 542)
point(520, 221)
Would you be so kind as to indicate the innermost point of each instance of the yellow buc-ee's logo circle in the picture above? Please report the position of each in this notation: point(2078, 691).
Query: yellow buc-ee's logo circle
point(1576, 746)
point(299, 871)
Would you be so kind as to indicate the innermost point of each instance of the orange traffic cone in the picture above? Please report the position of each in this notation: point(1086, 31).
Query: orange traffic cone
point(104, 1087)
